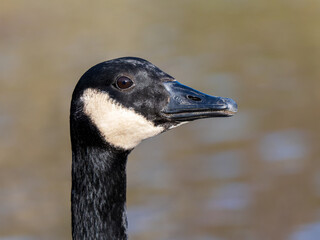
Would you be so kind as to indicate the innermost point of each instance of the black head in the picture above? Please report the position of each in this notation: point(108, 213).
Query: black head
point(126, 100)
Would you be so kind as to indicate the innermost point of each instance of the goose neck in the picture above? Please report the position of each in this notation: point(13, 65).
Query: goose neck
point(98, 195)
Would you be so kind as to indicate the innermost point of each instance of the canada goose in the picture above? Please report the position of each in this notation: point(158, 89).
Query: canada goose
point(115, 105)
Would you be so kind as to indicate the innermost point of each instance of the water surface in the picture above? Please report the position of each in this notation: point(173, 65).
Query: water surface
point(252, 176)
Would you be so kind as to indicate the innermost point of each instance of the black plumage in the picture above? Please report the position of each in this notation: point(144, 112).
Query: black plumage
point(98, 166)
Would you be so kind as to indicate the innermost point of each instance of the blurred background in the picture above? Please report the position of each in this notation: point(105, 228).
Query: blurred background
point(255, 176)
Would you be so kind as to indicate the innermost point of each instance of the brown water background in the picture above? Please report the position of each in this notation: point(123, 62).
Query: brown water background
point(255, 176)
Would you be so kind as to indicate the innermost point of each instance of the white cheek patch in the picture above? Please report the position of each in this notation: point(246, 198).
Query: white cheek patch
point(120, 126)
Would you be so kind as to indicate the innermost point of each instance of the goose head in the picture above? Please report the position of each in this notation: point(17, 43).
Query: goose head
point(127, 100)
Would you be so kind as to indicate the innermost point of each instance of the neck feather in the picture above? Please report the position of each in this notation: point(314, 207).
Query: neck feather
point(98, 192)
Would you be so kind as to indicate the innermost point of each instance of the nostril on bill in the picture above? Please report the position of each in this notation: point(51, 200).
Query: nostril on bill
point(194, 98)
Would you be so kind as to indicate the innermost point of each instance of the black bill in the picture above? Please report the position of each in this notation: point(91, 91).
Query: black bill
point(187, 104)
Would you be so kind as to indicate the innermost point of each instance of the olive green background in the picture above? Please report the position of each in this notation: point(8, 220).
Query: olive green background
point(255, 176)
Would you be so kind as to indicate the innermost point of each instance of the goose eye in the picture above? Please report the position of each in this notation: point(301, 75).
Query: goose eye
point(124, 83)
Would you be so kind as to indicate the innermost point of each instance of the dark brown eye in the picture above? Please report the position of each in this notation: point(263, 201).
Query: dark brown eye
point(124, 83)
